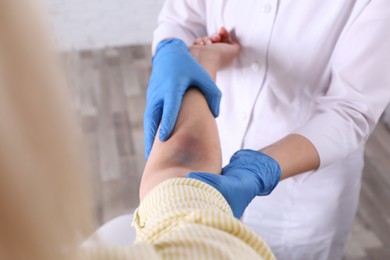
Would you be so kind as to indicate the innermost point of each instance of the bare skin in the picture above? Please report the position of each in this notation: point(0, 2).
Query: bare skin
point(194, 144)
point(294, 153)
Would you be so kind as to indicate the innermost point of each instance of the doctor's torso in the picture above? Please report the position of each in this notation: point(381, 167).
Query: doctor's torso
point(284, 64)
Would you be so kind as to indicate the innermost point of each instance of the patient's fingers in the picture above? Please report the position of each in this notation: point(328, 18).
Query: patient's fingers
point(203, 41)
point(207, 40)
point(224, 34)
point(199, 41)
point(216, 38)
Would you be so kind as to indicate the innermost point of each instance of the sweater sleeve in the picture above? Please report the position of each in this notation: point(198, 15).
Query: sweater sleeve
point(186, 218)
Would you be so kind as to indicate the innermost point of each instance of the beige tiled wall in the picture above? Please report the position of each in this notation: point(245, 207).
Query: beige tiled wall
point(89, 24)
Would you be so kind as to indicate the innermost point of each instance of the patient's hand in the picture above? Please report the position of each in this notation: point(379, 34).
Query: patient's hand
point(215, 52)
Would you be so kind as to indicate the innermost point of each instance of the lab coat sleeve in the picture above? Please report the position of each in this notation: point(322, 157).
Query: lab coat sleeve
point(183, 19)
point(359, 90)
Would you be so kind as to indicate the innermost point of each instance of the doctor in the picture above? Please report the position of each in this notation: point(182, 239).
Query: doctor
point(304, 94)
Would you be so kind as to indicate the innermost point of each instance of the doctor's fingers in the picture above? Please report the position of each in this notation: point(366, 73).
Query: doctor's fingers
point(209, 178)
point(152, 118)
point(170, 114)
point(213, 95)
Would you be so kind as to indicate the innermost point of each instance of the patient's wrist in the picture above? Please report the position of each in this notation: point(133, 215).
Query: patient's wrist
point(207, 59)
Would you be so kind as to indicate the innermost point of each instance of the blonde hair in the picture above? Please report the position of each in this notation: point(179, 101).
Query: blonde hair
point(44, 207)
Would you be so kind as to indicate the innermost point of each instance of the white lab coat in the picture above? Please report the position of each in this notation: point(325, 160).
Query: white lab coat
point(315, 68)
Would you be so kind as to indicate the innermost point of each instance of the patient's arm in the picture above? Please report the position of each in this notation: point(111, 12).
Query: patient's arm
point(194, 144)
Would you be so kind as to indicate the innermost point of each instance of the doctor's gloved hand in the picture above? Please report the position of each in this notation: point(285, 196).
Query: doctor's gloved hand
point(174, 71)
point(249, 174)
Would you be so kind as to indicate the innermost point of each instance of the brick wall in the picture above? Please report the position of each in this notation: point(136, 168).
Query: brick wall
point(89, 24)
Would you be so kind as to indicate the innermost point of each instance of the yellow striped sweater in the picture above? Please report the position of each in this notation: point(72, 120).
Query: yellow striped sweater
point(186, 219)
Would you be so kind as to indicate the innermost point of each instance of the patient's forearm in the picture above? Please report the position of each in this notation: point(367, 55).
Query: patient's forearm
point(193, 146)
point(208, 62)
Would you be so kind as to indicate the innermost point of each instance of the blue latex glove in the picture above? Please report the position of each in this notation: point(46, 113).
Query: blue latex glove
point(174, 71)
point(249, 174)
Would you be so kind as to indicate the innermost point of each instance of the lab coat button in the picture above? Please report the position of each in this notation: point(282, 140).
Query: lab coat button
point(266, 8)
point(256, 66)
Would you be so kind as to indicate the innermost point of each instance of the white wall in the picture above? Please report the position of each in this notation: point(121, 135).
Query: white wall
point(86, 24)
